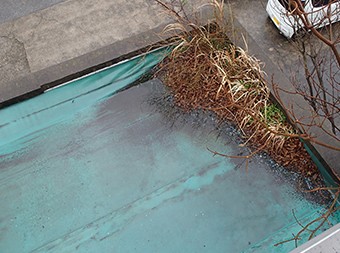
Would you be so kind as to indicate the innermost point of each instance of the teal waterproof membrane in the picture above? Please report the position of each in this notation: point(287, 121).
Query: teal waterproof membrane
point(85, 168)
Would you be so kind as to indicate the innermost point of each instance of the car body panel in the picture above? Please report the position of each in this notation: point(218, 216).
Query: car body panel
point(288, 24)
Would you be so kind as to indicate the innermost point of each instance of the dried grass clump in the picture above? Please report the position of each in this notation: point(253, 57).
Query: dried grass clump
point(205, 71)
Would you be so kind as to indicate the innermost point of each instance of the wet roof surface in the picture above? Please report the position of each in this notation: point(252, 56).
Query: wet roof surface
point(122, 175)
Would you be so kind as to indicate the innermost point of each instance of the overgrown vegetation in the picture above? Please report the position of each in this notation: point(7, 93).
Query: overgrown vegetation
point(206, 71)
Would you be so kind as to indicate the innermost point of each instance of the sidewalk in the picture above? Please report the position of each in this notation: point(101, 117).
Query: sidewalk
point(72, 36)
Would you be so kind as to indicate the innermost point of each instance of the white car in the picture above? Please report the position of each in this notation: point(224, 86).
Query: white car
point(283, 15)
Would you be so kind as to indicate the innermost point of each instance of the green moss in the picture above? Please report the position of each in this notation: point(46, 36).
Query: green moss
point(273, 114)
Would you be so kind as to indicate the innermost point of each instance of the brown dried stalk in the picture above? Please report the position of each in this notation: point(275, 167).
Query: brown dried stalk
point(205, 71)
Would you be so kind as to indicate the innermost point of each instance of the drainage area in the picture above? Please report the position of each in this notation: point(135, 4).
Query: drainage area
point(98, 166)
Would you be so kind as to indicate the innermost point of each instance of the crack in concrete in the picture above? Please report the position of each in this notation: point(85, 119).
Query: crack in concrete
point(22, 56)
point(14, 37)
point(16, 55)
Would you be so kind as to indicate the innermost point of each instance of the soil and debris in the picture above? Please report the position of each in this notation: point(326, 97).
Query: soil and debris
point(165, 103)
point(208, 73)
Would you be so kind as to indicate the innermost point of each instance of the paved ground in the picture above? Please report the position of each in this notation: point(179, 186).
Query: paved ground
point(265, 42)
point(71, 36)
point(253, 17)
point(13, 9)
point(65, 31)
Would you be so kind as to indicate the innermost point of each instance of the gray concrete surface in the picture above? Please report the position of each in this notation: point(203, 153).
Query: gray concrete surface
point(277, 53)
point(327, 242)
point(13, 9)
point(68, 30)
point(53, 38)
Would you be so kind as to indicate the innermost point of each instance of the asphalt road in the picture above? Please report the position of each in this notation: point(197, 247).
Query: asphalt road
point(12, 9)
point(252, 15)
